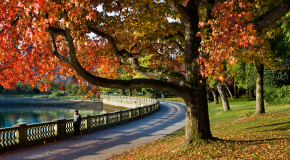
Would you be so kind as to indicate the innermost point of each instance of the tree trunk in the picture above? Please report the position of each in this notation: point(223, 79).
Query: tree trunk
point(250, 93)
point(197, 120)
point(131, 92)
point(215, 96)
point(122, 91)
point(227, 87)
point(260, 108)
point(223, 97)
point(195, 95)
point(235, 90)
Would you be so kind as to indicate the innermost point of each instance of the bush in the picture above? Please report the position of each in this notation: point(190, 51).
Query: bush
point(74, 89)
point(81, 92)
point(73, 97)
point(56, 95)
point(41, 96)
point(277, 95)
point(151, 95)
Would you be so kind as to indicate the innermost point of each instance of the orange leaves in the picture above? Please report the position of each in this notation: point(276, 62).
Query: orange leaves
point(62, 88)
point(93, 93)
point(26, 52)
point(43, 86)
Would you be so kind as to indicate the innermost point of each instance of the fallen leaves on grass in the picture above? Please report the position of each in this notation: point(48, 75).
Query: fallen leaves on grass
point(250, 137)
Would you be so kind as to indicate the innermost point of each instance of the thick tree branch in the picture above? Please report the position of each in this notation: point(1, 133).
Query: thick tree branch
point(272, 15)
point(106, 36)
point(135, 45)
point(180, 9)
point(54, 50)
point(14, 20)
point(55, 31)
point(110, 83)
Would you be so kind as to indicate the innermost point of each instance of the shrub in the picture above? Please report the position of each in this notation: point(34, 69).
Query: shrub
point(81, 92)
point(41, 96)
point(277, 95)
point(56, 95)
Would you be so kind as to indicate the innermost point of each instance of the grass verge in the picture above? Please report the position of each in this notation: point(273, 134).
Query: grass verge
point(242, 136)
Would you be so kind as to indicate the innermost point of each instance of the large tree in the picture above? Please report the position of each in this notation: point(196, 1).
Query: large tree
point(41, 38)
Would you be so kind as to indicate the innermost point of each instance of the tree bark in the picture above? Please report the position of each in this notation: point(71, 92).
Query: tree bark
point(272, 15)
point(227, 87)
point(260, 108)
point(197, 119)
point(223, 97)
point(235, 90)
point(250, 93)
point(215, 96)
point(123, 92)
point(131, 92)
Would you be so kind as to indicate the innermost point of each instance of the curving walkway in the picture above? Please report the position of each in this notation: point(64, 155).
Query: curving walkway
point(102, 144)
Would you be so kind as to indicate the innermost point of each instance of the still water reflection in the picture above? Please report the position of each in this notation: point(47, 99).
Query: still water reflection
point(17, 115)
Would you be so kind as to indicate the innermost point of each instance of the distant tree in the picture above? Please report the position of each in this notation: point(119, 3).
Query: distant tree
point(61, 87)
point(54, 86)
point(74, 89)
point(68, 87)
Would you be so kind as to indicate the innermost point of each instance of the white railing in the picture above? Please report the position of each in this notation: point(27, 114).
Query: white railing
point(23, 135)
point(135, 101)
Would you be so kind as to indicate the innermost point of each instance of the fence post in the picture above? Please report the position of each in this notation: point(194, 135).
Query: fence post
point(121, 117)
point(130, 114)
point(60, 129)
point(22, 135)
point(139, 112)
point(107, 120)
point(88, 123)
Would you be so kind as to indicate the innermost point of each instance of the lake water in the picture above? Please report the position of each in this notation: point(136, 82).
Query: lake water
point(28, 114)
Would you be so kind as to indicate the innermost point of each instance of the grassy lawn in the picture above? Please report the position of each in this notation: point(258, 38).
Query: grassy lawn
point(242, 136)
point(173, 99)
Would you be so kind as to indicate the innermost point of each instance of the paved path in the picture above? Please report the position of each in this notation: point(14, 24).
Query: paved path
point(102, 144)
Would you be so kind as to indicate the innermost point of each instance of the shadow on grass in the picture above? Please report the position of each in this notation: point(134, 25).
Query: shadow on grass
point(269, 125)
point(250, 142)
